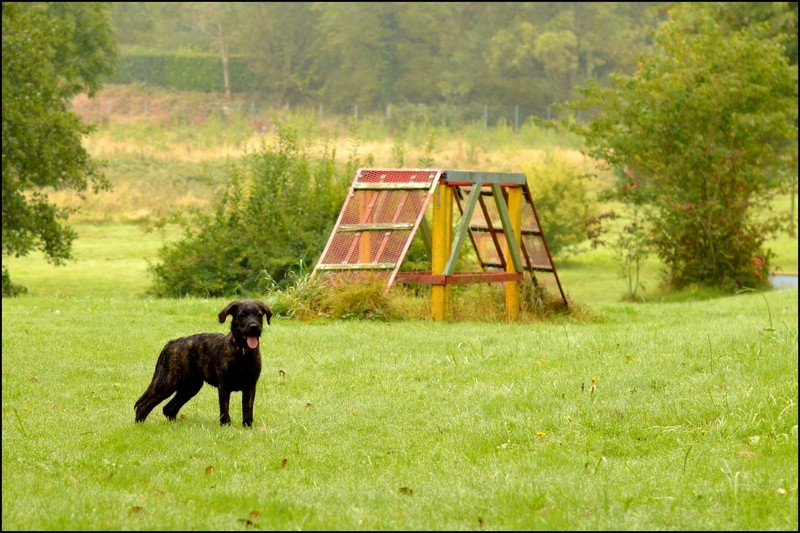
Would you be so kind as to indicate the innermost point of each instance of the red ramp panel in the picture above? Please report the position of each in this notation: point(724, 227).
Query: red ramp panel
point(380, 216)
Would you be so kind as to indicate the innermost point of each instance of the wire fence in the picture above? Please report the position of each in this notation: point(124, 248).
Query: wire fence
point(174, 110)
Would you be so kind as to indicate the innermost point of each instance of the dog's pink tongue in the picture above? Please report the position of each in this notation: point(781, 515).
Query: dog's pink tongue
point(252, 342)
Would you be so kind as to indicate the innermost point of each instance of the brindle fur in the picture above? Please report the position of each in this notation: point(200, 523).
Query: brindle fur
point(224, 361)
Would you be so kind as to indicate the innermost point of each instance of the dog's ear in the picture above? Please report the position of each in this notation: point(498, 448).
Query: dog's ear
point(230, 309)
point(265, 309)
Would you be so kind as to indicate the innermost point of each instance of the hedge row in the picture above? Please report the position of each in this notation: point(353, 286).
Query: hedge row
point(184, 72)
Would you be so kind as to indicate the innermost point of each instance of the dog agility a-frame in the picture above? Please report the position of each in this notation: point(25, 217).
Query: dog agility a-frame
point(385, 208)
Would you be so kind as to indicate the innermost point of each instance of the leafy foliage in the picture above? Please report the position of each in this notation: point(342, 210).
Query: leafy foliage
point(274, 215)
point(706, 135)
point(10, 288)
point(51, 51)
point(562, 201)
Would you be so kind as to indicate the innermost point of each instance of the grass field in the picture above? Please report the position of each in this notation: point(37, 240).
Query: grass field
point(658, 416)
point(675, 414)
point(666, 415)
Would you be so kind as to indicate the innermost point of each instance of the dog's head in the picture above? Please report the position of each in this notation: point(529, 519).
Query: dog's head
point(246, 322)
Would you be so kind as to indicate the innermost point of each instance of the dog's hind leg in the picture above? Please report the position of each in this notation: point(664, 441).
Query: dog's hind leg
point(186, 392)
point(153, 396)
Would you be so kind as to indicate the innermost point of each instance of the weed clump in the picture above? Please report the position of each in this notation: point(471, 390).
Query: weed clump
point(322, 297)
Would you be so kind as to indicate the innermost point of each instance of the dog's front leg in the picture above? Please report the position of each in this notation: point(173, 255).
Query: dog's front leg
point(224, 406)
point(248, 399)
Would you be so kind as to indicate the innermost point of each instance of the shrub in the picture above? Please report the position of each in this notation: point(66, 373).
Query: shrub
point(275, 213)
point(562, 199)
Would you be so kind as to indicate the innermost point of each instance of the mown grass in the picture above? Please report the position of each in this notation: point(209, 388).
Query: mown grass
point(690, 422)
point(659, 416)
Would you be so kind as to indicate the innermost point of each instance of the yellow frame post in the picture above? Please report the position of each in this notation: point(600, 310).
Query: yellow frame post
point(365, 239)
point(441, 237)
point(512, 287)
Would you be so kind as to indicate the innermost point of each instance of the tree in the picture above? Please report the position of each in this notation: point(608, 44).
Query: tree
point(275, 37)
point(356, 58)
point(215, 20)
point(51, 51)
point(557, 50)
point(706, 131)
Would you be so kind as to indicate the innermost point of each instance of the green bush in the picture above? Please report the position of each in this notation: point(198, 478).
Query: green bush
point(562, 201)
point(274, 215)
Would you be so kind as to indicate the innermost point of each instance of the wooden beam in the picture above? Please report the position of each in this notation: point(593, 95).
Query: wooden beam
point(356, 266)
point(457, 278)
point(441, 242)
point(453, 177)
point(380, 186)
point(352, 228)
point(508, 229)
point(515, 217)
point(463, 229)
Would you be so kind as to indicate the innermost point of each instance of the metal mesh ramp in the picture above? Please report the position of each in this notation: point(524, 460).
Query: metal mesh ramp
point(380, 216)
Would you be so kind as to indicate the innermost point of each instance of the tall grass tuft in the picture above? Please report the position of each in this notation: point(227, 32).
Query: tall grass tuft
point(321, 297)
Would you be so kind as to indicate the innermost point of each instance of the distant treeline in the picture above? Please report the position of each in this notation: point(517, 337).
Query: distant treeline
point(373, 55)
point(438, 54)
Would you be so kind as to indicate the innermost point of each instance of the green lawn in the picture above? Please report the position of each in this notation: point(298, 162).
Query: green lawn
point(678, 415)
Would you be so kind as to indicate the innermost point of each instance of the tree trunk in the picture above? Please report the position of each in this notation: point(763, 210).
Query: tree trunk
point(224, 50)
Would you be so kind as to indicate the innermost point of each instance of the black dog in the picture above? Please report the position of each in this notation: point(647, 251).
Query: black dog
point(229, 362)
